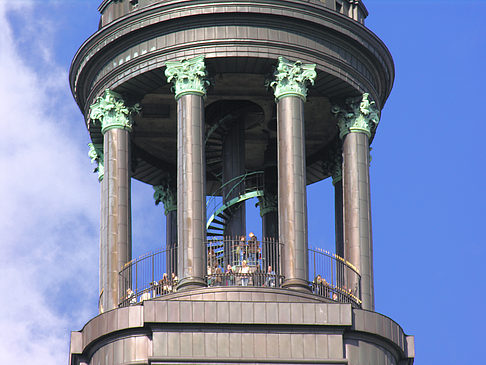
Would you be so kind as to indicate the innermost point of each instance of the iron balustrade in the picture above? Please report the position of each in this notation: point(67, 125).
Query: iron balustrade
point(334, 277)
point(237, 186)
point(149, 276)
point(241, 262)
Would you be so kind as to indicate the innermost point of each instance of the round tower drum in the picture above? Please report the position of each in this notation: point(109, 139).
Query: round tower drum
point(241, 41)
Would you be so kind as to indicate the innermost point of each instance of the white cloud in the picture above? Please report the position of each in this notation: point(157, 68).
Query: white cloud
point(48, 201)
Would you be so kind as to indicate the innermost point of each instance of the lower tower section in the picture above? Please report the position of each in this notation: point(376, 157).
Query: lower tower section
point(224, 326)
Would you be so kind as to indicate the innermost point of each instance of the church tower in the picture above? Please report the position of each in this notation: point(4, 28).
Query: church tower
point(214, 103)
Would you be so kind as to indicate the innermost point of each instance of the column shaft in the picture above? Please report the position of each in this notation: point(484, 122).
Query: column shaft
point(292, 201)
point(116, 203)
point(103, 247)
point(338, 217)
point(191, 190)
point(171, 241)
point(358, 248)
point(270, 187)
point(234, 166)
point(338, 224)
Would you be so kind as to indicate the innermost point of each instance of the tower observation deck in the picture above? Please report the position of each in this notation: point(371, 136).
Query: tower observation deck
point(213, 103)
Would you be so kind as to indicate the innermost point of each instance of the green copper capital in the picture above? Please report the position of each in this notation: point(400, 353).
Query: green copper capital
point(290, 79)
point(360, 115)
point(334, 168)
point(267, 203)
point(166, 195)
point(110, 110)
point(96, 155)
point(189, 76)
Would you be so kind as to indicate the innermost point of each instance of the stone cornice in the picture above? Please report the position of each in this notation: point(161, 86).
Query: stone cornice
point(108, 40)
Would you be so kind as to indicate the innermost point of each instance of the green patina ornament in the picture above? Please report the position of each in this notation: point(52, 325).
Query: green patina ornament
point(268, 203)
point(96, 155)
point(166, 195)
point(189, 76)
point(110, 110)
point(290, 79)
point(333, 167)
point(361, 115)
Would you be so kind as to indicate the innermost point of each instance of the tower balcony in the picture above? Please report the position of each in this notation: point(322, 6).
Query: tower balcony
point(235, 263)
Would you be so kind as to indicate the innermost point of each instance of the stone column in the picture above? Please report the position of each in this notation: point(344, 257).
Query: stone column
point(116, 247)
point(189, 78)
point(290, 93)
point(357, 122)
point(233, 167)
point(167, 194)
point(268, 203)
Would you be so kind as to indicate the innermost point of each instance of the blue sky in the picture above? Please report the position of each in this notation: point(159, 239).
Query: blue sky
point(428, 180)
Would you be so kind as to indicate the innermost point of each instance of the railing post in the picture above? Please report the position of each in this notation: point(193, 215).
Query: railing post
point(332, 270)
point(315, 271)
point(136, 277)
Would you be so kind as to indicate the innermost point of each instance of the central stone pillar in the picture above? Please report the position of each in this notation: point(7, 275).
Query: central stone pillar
point(290, 93)
point(356, 122)
point(233, 167)
point(189, 78)
point(268, 202)
point(115, 245)
point(333, 166)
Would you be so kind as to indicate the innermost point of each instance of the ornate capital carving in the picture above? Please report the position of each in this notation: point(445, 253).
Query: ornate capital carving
point(96, 155)
point(167, 195)
point(333, 167)
point(359, 115)
point(110, 110)
point(290, 79)
point(189, 76)
point(267, 203)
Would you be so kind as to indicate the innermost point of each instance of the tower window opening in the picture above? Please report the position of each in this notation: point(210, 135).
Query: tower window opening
point(339, 6)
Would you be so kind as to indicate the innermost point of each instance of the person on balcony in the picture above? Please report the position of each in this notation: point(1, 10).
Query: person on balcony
point(270, 280)
point(218, 276)
point(166, 285)
point(229, 275)
point(245, 273)
point(174, 280)
point(253, 247)
point(211, 257)
point(317, 284)
point(210, 275)
point(241, 249)
point(130, 298)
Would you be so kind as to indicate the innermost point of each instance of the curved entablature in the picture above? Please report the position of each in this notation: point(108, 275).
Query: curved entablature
point(111, 10)
point(349, 58)
point(241, 43)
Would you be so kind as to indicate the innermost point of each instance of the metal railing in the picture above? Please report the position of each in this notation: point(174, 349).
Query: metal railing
point(334, 277)
point(240, 262)
point(148, 276)
point(240, 185)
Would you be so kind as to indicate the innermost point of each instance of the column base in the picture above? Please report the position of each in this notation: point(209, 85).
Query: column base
point(297, 284)
point(191, 283)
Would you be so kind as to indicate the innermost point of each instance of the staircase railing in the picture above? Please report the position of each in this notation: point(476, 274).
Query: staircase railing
point(235, 188)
